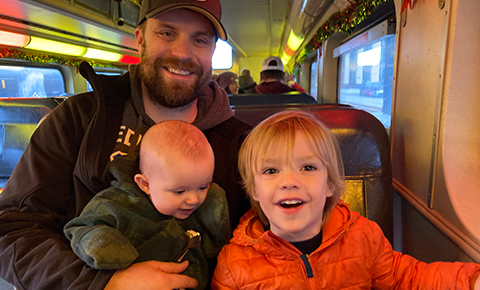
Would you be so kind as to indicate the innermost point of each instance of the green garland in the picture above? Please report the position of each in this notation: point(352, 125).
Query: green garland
point(343, 21)
point(47, 59)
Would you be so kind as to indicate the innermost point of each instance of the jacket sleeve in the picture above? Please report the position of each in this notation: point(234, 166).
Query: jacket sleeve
point(39, 199)
point(394, 270)
point(413, 274)
point(96, 240)
point(222, 277)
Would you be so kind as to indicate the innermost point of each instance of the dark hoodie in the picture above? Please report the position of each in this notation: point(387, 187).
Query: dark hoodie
point(62, 169)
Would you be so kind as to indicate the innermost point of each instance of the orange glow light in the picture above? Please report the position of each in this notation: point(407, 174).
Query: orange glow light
point(13, 39)
point(289, 51)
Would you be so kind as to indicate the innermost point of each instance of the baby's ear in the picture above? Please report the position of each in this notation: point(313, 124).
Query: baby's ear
point(142, 182)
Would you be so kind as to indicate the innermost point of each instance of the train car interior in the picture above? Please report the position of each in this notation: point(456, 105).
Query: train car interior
point(395, 80)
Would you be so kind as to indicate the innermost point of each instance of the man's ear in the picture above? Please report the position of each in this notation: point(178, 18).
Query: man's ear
point(140, 39)
point(142, 182)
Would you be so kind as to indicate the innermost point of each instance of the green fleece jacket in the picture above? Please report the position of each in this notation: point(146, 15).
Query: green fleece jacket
point(120, 226)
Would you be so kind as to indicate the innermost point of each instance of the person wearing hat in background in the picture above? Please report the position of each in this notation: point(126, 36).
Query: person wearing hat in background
point(228, 81)
point(63, 166)
point(271, 77)
point(246, 83)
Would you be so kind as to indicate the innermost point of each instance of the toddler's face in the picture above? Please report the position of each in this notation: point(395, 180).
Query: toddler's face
point(292, 194)
point(178, 186)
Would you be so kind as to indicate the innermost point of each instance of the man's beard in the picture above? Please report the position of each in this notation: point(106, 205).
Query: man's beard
point(173, 93)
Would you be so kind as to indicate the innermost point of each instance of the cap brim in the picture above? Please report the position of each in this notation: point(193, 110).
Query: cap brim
point(221, 33)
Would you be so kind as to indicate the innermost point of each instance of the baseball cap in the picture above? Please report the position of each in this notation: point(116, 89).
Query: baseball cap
point(212, 9)
point(272, 63)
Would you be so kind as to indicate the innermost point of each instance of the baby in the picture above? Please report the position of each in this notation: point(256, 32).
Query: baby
point(146, 216)
point(300, 235)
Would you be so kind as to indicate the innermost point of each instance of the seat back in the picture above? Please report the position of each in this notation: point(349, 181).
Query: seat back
point(365, 149)
point(266, 99)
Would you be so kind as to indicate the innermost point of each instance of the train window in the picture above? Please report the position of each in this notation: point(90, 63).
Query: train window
point(30, 82)
point(313, 79)
point(223, 56)
point(366, 77)
point(107, 73)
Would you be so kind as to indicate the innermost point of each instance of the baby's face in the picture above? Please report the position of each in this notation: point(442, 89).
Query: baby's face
point(178, 186)
point(292, 194)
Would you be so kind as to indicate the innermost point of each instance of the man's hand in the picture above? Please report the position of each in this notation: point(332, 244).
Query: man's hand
point(152, 275)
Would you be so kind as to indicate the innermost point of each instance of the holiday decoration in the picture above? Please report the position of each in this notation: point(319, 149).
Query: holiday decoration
point(47, 59)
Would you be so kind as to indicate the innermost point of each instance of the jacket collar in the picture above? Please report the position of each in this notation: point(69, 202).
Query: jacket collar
point(250, 230)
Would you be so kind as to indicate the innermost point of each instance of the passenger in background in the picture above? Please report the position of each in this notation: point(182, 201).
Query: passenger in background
point(214, 76)
point(246, 83)
point(172, 204)
point(271, 77)
point(300, 235)
point(228, 81)
point(290, 80)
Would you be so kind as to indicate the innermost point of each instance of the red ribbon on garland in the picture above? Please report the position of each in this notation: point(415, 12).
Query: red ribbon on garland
point(405, 4)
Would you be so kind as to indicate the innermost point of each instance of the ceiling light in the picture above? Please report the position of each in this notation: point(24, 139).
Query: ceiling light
point(37, 43)
point(102, 54)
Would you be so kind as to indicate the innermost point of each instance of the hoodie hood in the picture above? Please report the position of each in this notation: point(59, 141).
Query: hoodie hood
point(213, 105)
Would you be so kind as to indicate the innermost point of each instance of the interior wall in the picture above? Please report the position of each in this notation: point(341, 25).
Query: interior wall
point(328, 70)
point(435, 135)
point(418, 68)
point(458, 166)
point(422, 240)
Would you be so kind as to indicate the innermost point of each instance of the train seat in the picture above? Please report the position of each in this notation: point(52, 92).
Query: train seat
point(365, 149)
point(19, 118)
point(266, 99)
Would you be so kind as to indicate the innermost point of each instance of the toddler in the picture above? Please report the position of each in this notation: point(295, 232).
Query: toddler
point(300, 235)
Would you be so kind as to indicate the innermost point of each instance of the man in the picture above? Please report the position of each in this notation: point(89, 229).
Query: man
point(271, 77)
point(62, 167)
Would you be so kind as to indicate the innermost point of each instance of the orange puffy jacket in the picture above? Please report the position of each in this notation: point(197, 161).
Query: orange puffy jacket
point(354, 254)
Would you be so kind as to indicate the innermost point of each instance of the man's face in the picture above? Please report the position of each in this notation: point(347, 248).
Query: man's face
point(176, 49)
